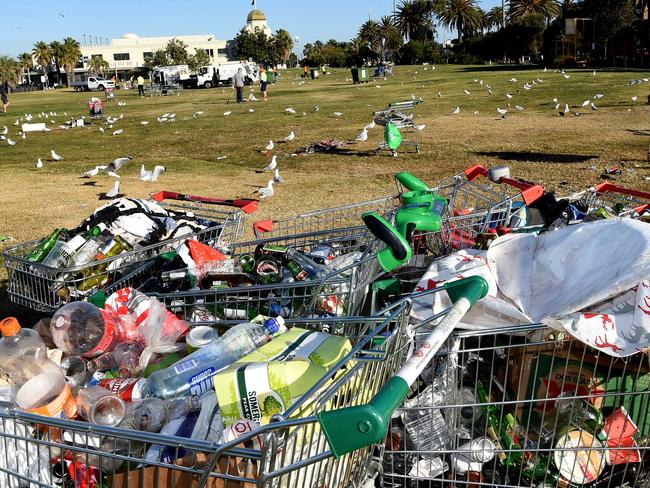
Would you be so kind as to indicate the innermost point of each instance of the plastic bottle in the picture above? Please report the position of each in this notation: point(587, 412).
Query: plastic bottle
point(81, 328)
point(313, 269)
point(99, 406)
point(45, 246)
point(150, 414)
point(18, 343)
point(193, 375)
point(124, 356)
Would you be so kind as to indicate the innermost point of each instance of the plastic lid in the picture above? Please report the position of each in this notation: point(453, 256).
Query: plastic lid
point(9, 326)
point(201, 336)
point(273, 325)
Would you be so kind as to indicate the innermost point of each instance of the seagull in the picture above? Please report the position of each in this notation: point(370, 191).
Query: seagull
point(593, 106)
point(113, 192)
point(252, 97)
point(153, 175)
point(269, 146)
point(145, 122)
point(114, 167)
point(439, 94)
point(272, 165)
point(557, 106)
point(598, 96)
point(10, 142)
point(93, 172)
point(502, 111)
point(509, 96)
point(555, 100)
point(586, 103)
point(5, 131)
point(634, 98)
point(513, 80)
point(251, 110)
point(338, 114)
point(55, 156)
point(519, 108)
point(456, 110)
point(276, 177)
point(371, 125)
point(118, 132)
point(266, 191)
point(23, 136)
point(226, 114)
point(466, 92)
point(290, 110)
point(290, 137)
point(490, 91)
point(101, 129)
point(566, 108)
point(197, 114)
point(39, 164)
point(420, 127)
point(363, 136)
point(566, 77)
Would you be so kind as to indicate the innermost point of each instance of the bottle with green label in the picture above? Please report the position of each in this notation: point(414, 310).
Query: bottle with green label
point(45, 246)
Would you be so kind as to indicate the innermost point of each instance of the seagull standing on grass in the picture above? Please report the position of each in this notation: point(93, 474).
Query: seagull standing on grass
point(266, 191)
point(363, 136)
point(273, 164)
point(113, 192)
point(290, 137)
point(276, 177)
point(55, 156)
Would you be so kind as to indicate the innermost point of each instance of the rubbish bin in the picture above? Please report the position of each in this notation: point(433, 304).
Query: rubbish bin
point(360, 75)
point(270, 77)
point(315, 74)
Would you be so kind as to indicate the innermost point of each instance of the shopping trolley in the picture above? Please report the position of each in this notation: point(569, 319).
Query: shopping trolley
point(625, 202)
point(294, 450)
point(45, 289)
point(523, 406)
point(404, 122)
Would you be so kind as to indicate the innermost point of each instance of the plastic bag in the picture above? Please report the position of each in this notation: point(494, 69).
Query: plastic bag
point(161, 330)
point(392, 136)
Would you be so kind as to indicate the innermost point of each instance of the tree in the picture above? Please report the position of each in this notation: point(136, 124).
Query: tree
point(391, 36)
point(370, 36)
point(198, 59)
point(176, 51)
point(494, 18)
point(548, 9)
point(283, 44)
point(26, 63)
point(612, 19)
point(9, 70)
point(57, 56)
point(97, 65)
point(414, 19)
point(43, 54)
point(462, 14)
point(158, 58)
point(71, 55)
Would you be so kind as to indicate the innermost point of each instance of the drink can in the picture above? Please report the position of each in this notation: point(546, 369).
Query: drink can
point(128, 389)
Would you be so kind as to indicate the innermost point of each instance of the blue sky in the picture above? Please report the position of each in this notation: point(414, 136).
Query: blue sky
point(27, 22)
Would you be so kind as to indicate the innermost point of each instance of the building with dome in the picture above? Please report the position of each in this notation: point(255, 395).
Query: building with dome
point(256, 22)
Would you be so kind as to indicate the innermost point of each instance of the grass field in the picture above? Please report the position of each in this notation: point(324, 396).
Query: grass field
point(563, 153)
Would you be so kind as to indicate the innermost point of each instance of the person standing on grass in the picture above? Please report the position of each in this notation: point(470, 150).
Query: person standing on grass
point(140, 86)
point(4, 95)
point(238, 84)
point(263, 83)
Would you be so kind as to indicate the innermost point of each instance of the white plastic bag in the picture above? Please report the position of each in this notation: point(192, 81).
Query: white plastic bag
point(161, 330)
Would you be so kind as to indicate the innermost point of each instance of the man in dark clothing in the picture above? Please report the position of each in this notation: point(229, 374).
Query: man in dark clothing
point(4, 96)
point(238, 84)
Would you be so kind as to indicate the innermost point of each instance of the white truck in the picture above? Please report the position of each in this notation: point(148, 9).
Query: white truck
point(222, 73)
point(87, 82)
point(171, 75)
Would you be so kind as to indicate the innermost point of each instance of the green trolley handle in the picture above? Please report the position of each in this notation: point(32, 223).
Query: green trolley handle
point(352, 428)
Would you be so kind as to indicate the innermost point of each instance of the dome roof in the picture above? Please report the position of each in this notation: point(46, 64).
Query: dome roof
point(255, 15)
point(129, 35)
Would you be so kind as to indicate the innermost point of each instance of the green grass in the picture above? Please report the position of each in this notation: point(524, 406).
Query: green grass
point(537, 143)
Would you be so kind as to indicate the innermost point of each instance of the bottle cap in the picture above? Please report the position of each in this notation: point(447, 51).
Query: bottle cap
point(274, 325)
point(9, 326)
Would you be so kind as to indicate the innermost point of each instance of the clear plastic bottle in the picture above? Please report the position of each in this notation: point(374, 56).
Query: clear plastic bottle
point(18, 343)
point(80, 328)
point(193, 374)
point(151, 414)
point(124, 356)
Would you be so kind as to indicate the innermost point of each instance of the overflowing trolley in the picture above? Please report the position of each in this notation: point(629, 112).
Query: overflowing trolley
point(292, 450)
point(405, 122)
point(45, 287)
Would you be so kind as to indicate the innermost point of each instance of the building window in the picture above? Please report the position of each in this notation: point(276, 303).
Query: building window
point(121, 57)
point(210, 52)
point(223, 51)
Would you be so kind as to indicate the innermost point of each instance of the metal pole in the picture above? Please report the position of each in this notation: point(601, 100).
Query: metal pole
point(503, 26)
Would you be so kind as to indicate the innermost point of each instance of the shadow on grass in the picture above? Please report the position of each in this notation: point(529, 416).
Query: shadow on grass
point(536, 157)
point(502, 67)
point(640, 132)
point(25, 316)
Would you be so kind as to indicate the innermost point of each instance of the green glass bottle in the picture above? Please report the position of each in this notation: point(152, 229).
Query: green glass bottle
point(247, 263)
point(96, 230)
point(44, 247)
point(96, 275)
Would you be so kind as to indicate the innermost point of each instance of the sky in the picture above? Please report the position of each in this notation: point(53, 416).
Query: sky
point(24, 23)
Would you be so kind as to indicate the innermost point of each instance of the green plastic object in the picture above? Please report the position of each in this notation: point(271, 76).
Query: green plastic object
point(392, 136)
point(473, 288)
point(352, 428)
point(421, 210)
point(397, 251)
point(410, 182)
point(98, 299)
point(390, 286)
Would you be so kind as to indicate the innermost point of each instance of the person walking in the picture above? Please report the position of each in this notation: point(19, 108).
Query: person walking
point(263, 83)
point(238, 84)
point(4, 96)
point(140, 86)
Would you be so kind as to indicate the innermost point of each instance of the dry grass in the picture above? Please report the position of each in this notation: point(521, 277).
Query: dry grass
point(537, 143)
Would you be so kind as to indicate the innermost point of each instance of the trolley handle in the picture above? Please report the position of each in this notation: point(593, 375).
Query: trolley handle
point(529, 191)
point(248, 206)
point(607, 187)
point(352, 428)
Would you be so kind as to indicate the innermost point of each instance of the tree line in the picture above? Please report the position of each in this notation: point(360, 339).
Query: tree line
point(518, 28)
point(263, 49)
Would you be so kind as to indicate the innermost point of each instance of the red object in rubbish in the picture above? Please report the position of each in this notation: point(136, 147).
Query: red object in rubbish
point(202, 253)
point(248, 206)
point(262, 226)
point(619, 430)
point(606, 187)
point(529, 191)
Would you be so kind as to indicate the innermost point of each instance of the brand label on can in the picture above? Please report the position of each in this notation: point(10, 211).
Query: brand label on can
point(125, 388)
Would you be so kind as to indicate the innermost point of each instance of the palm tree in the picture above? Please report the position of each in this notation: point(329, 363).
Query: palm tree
point(392, 39)
point(9, 70)
point(546, 8)
point(370, 35)
point(407, 18)
point(284, 44)
point(98, 65)
point(463, 15)
point(26, 63)
point(71, 55)
point(43, 54)
point(494, 18)
point(57, 57)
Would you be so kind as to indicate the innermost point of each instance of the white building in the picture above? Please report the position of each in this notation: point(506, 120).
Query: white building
point(130, 51)
point(256, 22)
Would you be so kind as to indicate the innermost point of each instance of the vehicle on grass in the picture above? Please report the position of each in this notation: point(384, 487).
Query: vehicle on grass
point(87, 82)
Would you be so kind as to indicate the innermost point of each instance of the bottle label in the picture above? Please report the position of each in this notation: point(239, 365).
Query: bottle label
point(62, 406)
point(185, 365)
point(202, 383)
point(125, 388)
point(107, 339)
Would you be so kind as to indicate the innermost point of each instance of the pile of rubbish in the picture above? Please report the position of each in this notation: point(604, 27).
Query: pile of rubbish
point(323, 146)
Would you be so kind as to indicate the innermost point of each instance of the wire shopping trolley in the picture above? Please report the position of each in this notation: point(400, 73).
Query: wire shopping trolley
point(45, 289)
point(624, 202)
point(298, 448)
